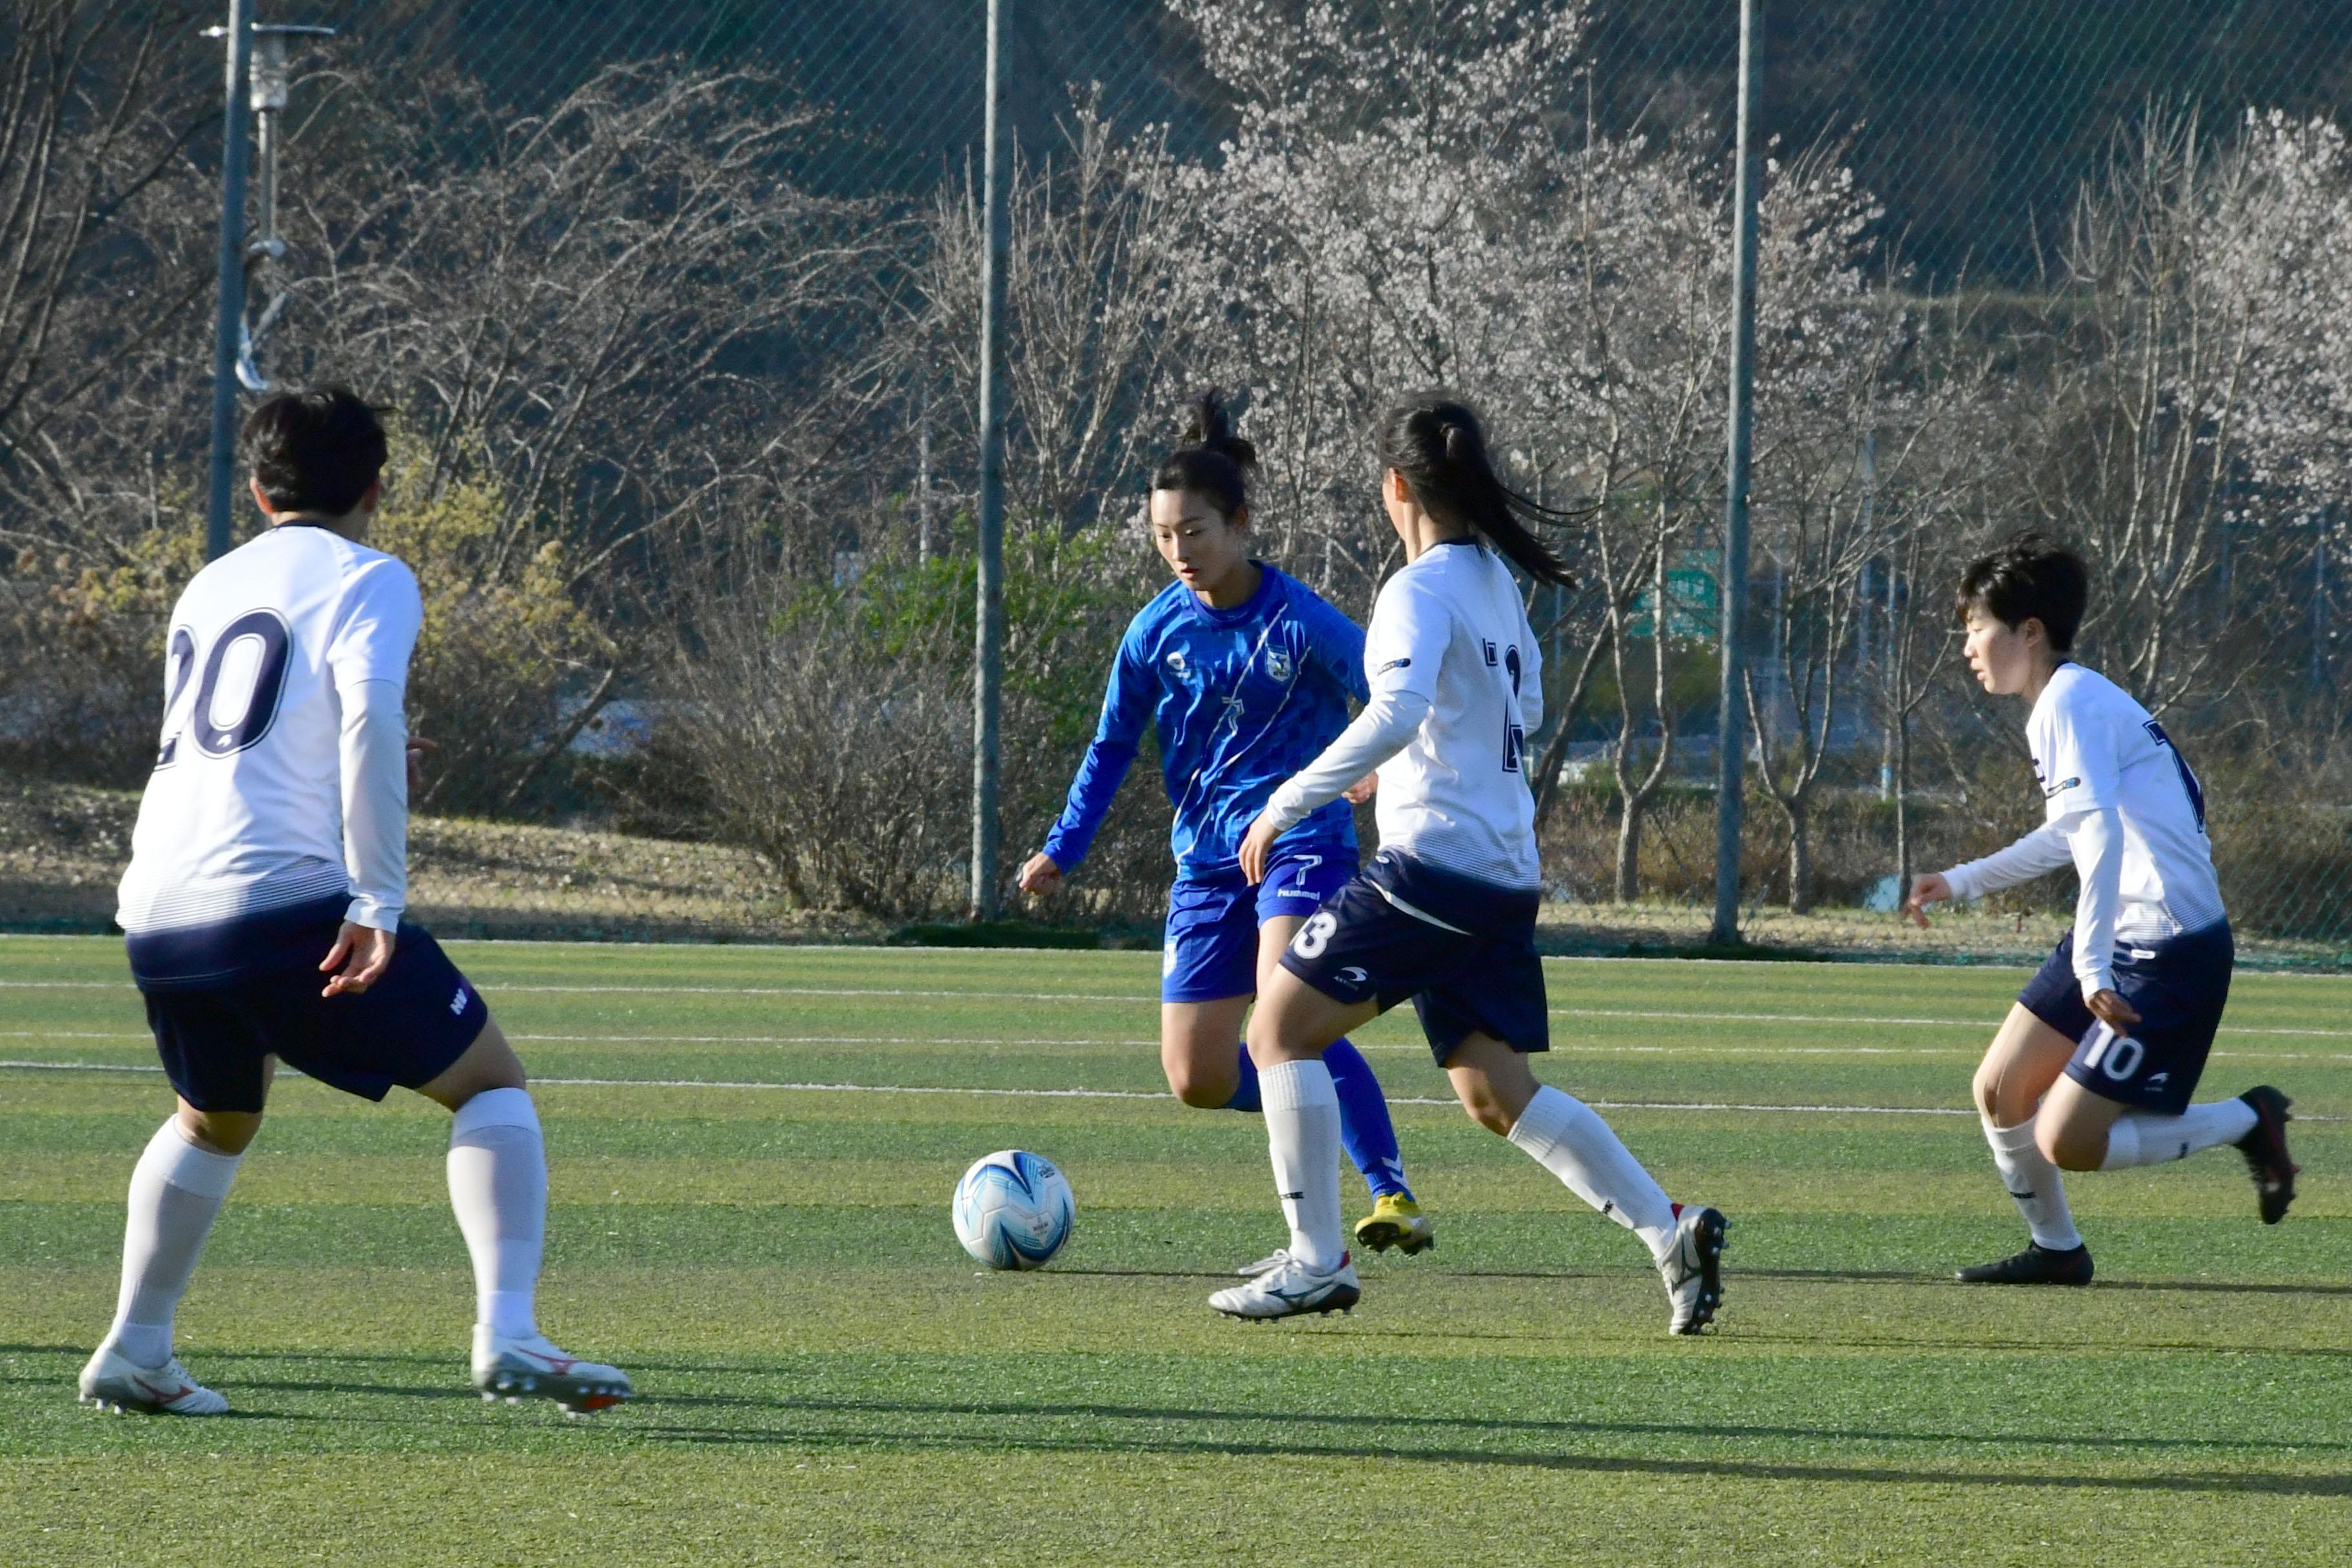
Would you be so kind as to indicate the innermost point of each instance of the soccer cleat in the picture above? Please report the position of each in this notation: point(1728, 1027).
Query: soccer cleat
point(2037, 1265)
point(1693, 1269)
point(1290, 1290)
point(521, 1367)
point(1272, 1260)
point(112, 1382)
point(1396, 1221)
point(2265, 1151)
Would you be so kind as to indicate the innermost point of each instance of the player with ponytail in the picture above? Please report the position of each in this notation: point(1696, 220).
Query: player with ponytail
point(1446, 913)
point(1244, 674)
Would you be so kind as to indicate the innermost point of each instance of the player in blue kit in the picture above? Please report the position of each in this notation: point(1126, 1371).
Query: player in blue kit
point(2093, 1069)
point(1244, 674)
point(263, 907)
point(1445, 914)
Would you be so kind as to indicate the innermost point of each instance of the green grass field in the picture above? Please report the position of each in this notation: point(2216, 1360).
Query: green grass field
point(824, 1376)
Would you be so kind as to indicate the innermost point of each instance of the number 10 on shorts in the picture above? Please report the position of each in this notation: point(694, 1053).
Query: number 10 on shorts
point(2117, 1055)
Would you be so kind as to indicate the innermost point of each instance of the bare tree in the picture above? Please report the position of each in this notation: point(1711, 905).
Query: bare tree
point(1096, 231)
point(586, 329)
point(2138, 443)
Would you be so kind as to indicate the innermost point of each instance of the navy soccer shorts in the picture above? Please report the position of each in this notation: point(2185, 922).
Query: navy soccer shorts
point(1210, 950)
point(2178, 987)
point(407, 1028)
point(1463, 951)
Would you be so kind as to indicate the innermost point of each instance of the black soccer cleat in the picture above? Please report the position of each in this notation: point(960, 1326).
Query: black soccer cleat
point(2037, 1265)
point(2265, 1151)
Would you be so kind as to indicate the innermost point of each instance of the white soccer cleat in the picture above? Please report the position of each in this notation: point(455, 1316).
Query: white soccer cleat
point(1693, 1269)
point(112, 1382)
point(1272, 1260)
point(519, 1367)
point(1289, 1290)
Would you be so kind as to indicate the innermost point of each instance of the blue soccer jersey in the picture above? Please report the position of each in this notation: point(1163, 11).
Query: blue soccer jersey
point(1240, 700)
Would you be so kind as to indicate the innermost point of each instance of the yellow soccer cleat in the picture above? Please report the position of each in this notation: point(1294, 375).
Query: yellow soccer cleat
point(1398, 1222)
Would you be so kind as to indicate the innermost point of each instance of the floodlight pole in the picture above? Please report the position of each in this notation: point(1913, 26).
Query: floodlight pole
point(228, 318)
point(988, 650)
point(1731, 729)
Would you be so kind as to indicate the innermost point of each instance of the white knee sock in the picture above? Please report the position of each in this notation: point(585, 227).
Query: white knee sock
point(176, 1191)
point(2032, 1181)
point(1570, 1141)
point(2143, 1138)
point(498, 1184)
point(1302, 1132)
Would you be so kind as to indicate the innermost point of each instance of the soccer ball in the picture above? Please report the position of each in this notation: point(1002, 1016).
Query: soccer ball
point(1012, 1209)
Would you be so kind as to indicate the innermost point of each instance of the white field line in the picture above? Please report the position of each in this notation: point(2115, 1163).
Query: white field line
point(1979, 1023)
point(1558, 1012)
point(1098, 1093)
point(1399, 1047)
point(1047, 1093)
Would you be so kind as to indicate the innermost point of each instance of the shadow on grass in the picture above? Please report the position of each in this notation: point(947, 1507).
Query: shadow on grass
point(2272, 1483)
point(1554, 1426)
point(1911, 1276)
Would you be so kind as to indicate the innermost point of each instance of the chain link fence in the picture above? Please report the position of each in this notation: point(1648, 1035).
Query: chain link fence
point(676, 307)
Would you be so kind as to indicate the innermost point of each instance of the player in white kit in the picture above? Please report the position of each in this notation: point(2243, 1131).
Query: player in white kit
point(271, 849)
point(2093, 1069)
point(1445, 912)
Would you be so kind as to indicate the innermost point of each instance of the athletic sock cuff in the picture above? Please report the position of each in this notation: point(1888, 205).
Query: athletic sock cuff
point(183, 1165)
point(494, 1108)
point(1545, 1121)
point(1296, 1086)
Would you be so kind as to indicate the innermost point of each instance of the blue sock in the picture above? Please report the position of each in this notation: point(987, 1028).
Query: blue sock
point(1365, 1131)
point(1245, 1089)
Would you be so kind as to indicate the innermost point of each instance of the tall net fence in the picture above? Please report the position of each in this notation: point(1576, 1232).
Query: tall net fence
point(676, 307)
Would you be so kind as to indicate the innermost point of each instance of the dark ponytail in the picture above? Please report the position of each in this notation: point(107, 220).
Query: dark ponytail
point(1434, 440)
point(1213, 462)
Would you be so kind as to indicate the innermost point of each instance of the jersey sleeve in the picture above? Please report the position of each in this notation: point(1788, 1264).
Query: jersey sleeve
point(1406, 641)
point(1127, 709)
point(2080, 754)
point(376, 631)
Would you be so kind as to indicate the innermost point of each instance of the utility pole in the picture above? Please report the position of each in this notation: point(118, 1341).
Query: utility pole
point(988, 652)
point(1731, 730)
point(228, 317)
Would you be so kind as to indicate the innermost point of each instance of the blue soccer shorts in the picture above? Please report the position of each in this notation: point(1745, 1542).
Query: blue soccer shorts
point(1463, 950)
point(1210, 947)
point(407, 1028)
point(2178, 987)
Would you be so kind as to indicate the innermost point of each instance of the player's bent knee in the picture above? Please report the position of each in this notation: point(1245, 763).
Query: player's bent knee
point(2073, 1148)
point(1987, 1092)
point(219, 1132)
point(1488, 1111)
point(489, 1063)
point(1200, 1091)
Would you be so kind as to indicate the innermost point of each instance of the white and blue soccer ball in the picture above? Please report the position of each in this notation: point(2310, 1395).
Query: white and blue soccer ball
point(1013, 1210)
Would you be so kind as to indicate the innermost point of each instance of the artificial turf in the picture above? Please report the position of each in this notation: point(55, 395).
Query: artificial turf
point(824, 1376)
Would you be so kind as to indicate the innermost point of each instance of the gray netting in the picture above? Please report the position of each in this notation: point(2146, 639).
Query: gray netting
point(678, 304)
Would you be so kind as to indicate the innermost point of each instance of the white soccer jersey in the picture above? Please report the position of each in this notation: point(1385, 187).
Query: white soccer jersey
point(267, 675)
point(1457, 684)
point(2095, 749)
point(1451, 627)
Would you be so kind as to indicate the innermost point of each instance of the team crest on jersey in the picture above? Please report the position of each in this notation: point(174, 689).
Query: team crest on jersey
point(1177, 662)
point(1279, 666)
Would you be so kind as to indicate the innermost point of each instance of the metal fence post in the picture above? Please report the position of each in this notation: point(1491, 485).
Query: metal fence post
point(228, 320)
point(1731, 730)
point(988, 660)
